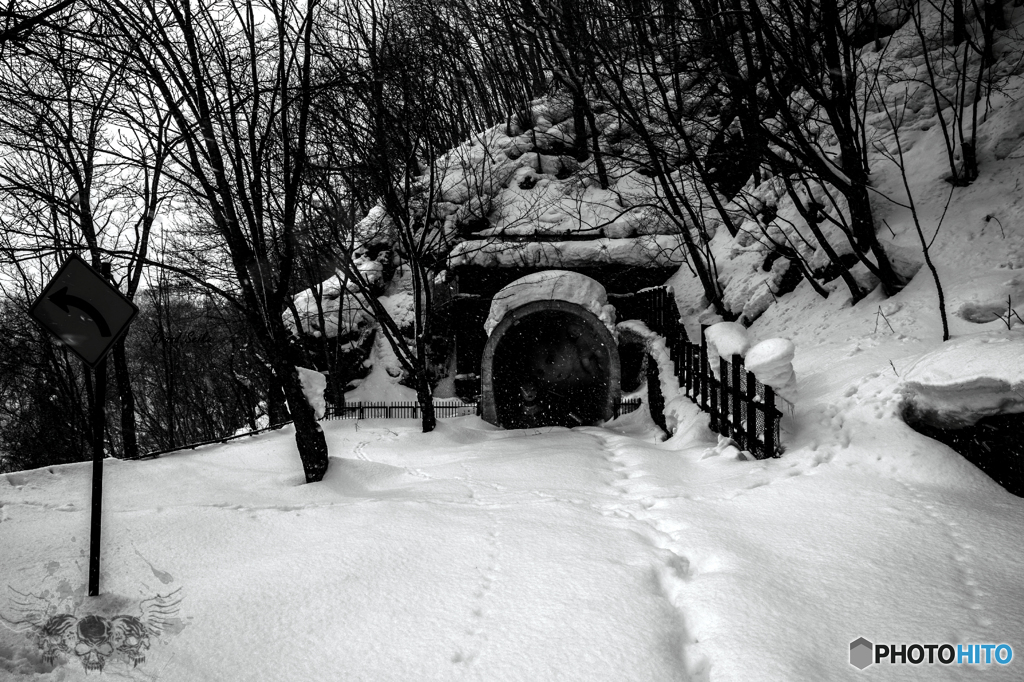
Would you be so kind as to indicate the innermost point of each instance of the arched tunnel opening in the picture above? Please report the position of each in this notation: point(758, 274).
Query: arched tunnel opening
point(549, 363)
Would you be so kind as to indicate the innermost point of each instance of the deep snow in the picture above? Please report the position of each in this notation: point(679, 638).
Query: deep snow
point(589, 554)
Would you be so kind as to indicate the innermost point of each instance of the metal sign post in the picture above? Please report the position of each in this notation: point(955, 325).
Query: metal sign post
point(88, 314)
point(98, 419)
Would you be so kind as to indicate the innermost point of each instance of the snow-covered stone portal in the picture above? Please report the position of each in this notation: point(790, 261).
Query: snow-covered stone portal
point(549, 363)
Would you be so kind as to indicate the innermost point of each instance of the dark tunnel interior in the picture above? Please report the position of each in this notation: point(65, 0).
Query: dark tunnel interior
point(551, 369)
point(633, 364)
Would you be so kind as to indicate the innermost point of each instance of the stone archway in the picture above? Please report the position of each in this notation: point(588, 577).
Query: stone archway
point(549, 363)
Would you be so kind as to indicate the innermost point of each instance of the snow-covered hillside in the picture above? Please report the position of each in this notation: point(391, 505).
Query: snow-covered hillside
point(512, 196)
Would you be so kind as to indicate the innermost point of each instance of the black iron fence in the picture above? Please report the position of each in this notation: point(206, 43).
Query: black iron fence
point(741, 407)
point(399, 410)
point(225, 439)
point(655, 306)
point(413, 410)
point(627, 405)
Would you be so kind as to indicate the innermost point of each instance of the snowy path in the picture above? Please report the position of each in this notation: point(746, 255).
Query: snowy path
point(478, 554)
point(446, 563)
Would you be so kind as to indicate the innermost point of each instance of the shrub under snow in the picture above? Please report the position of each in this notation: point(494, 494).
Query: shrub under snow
point(725, 339)
point(771, 361)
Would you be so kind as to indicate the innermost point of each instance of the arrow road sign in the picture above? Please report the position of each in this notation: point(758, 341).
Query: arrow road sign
point(63, 299)
point(83, 310)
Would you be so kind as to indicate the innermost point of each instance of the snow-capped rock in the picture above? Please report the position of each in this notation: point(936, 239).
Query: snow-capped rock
point(966, 379)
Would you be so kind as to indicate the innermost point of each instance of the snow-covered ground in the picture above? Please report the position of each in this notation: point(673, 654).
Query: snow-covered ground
point(473, 553)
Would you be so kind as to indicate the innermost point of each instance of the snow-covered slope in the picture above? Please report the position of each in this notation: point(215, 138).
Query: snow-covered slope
point(477, 554)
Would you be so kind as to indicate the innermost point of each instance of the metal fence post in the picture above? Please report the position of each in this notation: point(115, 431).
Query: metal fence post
point(688, 368)
point(661, 311)
point(738, 434)
point(703, 378)
point(691, 369)
point(679, 363)
point(751, 430)
point(723, 396)
point(771, 416)
point(713, 407)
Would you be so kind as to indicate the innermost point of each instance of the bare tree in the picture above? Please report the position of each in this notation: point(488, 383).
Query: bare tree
point(70, 183)
point(19, 22)
point(402, 87)
point(801, 69)
point(192, 364)
point(234, 78)
point(894, 114)
point(41, 384)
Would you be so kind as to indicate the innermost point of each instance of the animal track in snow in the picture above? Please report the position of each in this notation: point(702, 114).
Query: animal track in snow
point(960, 554)
point(673, 569)
point(476, 631)
point(360, 451)
point(832, 418)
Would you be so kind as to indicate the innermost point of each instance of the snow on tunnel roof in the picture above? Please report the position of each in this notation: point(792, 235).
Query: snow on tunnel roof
point(551, 285)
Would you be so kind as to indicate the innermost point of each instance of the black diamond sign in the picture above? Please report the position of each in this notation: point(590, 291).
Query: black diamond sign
point(83, 310)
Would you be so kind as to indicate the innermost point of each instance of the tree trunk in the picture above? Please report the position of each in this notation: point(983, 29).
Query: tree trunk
point(959, 22)
point(426, 400)
point(866, 240)
point(277, 409)
point(812, 220)
point(309, 437)
point(580, 148)
point(995, 19)
point(970, 170)
point(126, 397)
point(595, 135)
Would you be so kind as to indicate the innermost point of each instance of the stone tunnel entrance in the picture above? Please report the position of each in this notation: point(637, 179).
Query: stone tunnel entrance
point(549, 363)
